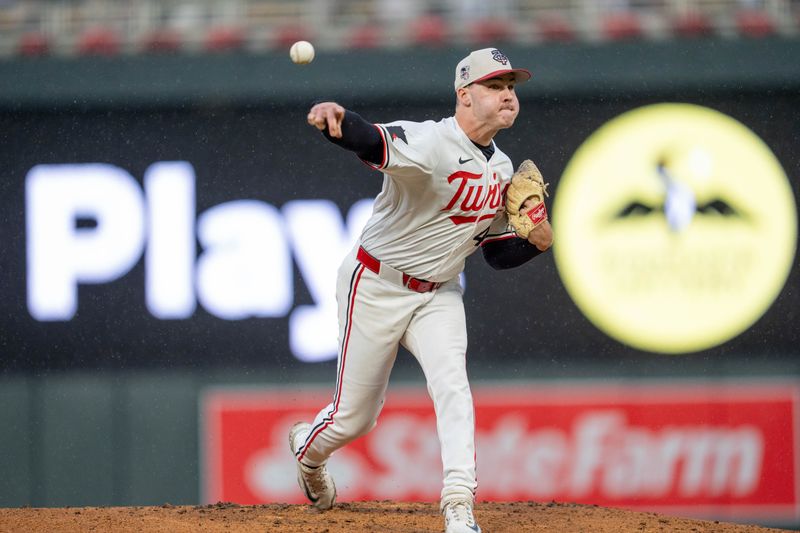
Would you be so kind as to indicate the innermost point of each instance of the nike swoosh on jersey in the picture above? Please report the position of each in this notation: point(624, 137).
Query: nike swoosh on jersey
point(462, 161)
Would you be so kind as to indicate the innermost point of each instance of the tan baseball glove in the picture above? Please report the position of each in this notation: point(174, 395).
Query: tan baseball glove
point(527, 182)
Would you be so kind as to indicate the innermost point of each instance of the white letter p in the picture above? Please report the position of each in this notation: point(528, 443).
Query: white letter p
point(61, 254)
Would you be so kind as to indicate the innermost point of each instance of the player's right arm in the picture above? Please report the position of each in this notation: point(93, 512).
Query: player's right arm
point(348, 130)
point(401, 149)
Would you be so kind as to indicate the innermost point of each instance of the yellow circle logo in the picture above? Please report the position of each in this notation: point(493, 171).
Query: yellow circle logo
point(675, 228)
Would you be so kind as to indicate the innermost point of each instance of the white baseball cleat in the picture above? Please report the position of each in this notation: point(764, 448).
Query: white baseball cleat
point(316, 482)
point(458, 517)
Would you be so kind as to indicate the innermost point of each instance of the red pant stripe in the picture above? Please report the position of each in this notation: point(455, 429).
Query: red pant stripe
point(327, 421)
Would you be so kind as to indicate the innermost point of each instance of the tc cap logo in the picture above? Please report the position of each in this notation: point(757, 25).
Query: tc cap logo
point(676, 228)
point(500, 57)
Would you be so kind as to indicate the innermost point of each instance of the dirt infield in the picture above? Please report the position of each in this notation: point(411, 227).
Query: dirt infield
point(350, 518)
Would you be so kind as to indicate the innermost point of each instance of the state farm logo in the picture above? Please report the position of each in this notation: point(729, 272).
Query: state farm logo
point(675, 228)
point(601, 454)
point(92, 223)
point(703, 448)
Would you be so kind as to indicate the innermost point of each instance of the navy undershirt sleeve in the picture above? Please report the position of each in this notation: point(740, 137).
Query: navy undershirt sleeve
point(359, 136)
point(508, 253)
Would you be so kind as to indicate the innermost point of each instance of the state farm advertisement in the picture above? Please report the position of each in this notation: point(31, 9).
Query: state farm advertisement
point(716, 449)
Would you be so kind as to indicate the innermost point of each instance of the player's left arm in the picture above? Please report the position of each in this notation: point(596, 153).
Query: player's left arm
point(502, 254)
point(503, 249)
point(541, 236)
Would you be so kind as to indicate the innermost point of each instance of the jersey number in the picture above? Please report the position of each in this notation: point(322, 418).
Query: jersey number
point(481, 236)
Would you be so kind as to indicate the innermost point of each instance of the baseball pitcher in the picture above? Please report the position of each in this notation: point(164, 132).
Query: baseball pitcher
point(447, 191)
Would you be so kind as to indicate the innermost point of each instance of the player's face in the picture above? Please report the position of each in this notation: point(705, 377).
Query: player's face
point(495, 101)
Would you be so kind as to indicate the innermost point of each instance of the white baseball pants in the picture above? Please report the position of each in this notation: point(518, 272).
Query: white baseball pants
point(375, 317)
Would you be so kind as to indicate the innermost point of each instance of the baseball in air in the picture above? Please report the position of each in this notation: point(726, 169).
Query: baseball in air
point(302, 52)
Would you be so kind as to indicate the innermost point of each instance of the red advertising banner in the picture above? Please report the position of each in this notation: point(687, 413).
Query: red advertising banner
point(707, 449)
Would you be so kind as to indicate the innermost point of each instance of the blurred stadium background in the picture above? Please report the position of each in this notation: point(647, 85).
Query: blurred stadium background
point(170, 227)
point(34, 28)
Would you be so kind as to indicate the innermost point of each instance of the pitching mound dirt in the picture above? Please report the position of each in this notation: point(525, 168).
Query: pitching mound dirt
point(354, 517)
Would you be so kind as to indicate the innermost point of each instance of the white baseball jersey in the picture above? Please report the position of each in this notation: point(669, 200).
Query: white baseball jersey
point(439, 198)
